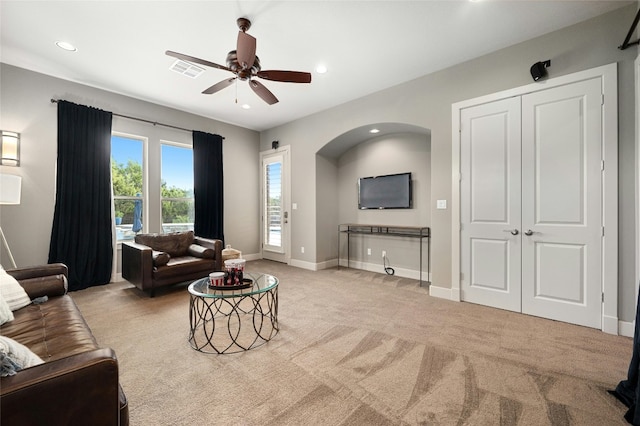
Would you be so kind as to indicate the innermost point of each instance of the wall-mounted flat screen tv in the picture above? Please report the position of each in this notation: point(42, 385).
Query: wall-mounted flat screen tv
point(385, 192)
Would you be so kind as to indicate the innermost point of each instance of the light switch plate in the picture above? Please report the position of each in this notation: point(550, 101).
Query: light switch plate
point(441, 204)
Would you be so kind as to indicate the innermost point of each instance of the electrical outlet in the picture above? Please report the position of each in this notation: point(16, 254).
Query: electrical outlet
point(301, 249)
point(384, 254)
point(369, 251)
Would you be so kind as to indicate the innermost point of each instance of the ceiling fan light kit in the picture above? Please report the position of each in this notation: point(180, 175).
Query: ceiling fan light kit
point(244, 63)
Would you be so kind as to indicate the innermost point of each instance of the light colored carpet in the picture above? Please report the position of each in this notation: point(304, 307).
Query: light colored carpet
point(359, 348)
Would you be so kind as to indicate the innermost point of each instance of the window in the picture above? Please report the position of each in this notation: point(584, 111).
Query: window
point(176, 190)
point(127, 178)
point(273, 202)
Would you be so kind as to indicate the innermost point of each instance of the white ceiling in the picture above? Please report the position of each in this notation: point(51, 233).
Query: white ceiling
point(366, 45)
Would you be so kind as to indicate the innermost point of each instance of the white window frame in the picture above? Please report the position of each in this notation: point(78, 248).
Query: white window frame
point(145, 180)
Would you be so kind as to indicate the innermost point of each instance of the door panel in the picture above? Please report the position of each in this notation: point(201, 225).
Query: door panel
point(490, 204)
point(490, 252)
point(561, 203)
point(559, 156)
point(559, 272)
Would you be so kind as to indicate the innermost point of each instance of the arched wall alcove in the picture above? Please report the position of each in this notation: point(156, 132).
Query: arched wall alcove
point(396, 148)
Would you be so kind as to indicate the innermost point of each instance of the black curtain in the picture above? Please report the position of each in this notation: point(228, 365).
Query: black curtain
point(628, 391)
point(82, 230)
point(208, 185)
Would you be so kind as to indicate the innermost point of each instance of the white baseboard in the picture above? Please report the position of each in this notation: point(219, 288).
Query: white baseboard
point(440, 292)
point(625, 328)
point(610, 325)
point(304, 265)
point(377, 267)
point(254, 256)
point(327, 264)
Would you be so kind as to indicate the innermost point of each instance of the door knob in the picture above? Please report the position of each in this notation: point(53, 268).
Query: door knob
point(528, 232)
point(512, 231)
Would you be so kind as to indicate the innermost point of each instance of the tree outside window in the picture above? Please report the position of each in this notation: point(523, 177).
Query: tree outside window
point(127, 181)
point(177, 188)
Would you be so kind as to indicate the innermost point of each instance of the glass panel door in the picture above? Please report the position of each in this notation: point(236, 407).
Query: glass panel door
point(275, 205)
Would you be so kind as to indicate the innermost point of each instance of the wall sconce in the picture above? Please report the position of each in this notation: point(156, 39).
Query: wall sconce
point(10, 148)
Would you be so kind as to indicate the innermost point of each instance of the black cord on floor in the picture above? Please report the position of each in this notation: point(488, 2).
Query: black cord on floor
point(388, 269)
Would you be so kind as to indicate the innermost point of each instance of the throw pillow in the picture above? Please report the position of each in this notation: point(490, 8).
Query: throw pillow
point(160, 258)
point(175, 244)
point(196, 250)
point(13, 292)
point(5, 311)
point(15, 356)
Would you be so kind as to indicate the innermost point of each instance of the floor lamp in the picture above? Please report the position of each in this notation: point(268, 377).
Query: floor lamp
point(10, 189)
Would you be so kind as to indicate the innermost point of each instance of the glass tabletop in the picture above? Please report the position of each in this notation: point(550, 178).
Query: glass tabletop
point(260, 284)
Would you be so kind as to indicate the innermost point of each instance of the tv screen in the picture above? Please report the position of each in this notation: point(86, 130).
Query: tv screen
point(385, 192)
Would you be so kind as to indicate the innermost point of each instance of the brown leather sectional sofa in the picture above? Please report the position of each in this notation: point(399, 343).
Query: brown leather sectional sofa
point(157, 260)
point(78, 383)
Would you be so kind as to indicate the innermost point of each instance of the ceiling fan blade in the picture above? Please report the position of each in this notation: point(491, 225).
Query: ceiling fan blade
point(219, 86)
point(263, 92)
point(286, 76)
point(196, 60)
point(246, 50)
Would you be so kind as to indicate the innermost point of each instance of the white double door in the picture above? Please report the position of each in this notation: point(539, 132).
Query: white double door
point(531, 203)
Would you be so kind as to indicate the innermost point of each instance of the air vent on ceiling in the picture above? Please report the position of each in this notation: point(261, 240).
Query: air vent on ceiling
point(183, 67)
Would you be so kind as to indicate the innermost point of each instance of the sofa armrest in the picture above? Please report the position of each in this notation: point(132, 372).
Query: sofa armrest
point(39, 271)
point(80, 389)
point(43, 280)
point(215, 245)
point(137, 264)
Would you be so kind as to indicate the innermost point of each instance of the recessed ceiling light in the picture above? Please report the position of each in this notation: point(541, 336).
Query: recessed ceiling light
point(374, 131)
point(246, 106)
point(66, 46)
point(321, 69)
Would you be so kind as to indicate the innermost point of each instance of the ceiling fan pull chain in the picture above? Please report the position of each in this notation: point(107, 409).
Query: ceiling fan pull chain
point(236, 90)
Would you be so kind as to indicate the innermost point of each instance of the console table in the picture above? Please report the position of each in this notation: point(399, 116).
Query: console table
point(418, 232)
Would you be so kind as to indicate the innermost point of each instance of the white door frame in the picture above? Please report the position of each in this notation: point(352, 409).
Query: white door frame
point(286, 195)
point(608, 75)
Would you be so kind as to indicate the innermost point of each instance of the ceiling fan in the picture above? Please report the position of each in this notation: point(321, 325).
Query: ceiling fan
point(244, 63)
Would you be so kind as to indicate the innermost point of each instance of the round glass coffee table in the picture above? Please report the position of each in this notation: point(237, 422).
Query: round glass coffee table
point(229, 320)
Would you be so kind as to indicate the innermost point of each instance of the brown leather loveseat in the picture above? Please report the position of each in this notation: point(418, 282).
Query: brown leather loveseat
point(78, 383)
point(157, 260)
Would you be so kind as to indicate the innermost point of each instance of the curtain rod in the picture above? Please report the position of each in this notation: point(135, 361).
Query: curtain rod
point(155, 123)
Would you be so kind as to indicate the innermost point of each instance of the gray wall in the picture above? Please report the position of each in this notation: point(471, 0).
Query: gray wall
point(389, 154)
point(394, 153)
point(426, 102)
point(26, 108)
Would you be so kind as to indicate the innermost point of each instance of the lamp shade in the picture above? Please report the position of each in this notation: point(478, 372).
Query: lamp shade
point(10, 189)
point(10, 148)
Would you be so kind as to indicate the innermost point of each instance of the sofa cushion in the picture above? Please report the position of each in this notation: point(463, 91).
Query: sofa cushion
point(15, 356)
point(12, 291)
point(183, 266)
point(174, 244)
point(52, 330)
point(160, 258)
